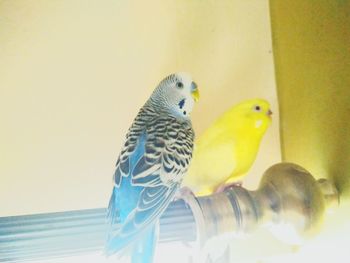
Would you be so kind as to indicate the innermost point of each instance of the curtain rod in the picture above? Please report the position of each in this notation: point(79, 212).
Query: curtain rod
point(284, 188)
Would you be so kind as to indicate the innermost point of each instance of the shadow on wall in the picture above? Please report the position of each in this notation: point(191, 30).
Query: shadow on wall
point(312, 60)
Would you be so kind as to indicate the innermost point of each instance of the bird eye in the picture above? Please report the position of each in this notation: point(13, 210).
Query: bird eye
point(257, 108)
point(180, 85)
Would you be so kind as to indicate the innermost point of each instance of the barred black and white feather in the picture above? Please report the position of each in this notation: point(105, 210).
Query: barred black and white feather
point(168, 149)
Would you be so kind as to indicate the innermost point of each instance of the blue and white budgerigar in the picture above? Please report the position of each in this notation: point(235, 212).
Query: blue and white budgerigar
point(149, 171)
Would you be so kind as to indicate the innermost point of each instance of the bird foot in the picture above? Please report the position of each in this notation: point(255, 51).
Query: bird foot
point(224, 187)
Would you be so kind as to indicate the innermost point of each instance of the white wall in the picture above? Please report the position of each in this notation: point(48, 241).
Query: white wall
point(73, 74)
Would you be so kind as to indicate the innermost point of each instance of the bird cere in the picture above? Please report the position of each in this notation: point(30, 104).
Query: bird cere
point(155, 161)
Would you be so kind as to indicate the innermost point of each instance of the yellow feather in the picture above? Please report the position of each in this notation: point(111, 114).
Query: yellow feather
point(227, 149)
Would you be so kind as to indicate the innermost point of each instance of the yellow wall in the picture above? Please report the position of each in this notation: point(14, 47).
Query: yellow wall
point(73, 74)
point(311, 41)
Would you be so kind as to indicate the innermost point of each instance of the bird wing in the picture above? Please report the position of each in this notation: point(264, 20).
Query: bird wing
point(158, 170)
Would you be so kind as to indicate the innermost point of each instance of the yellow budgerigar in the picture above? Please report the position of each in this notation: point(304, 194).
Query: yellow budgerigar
point(227, 149)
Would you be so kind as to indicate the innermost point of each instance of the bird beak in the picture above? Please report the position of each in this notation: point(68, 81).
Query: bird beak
point(194, 92)
point(269, 113)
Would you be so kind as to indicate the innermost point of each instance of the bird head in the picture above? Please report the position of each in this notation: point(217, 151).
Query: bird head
point(254, 115)
point(176, 94)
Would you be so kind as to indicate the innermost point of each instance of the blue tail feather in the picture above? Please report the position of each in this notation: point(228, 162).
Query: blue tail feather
point(143, 250)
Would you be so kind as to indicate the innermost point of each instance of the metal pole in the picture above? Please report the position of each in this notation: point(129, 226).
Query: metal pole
point(287, 195)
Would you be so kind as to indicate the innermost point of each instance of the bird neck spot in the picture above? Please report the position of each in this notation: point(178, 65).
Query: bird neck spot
point(185, 112)
point(182, 103)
